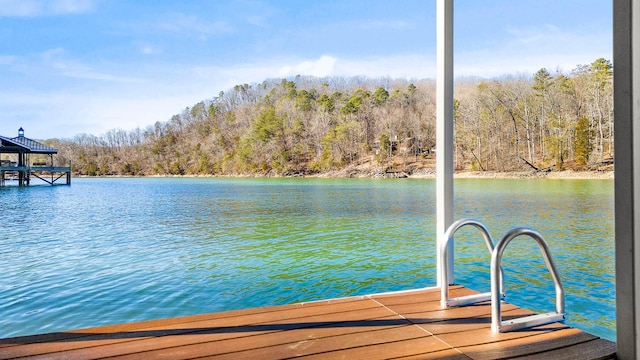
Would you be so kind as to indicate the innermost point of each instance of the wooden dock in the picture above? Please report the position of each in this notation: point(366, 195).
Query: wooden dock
point(403, 325)
point(24, 174)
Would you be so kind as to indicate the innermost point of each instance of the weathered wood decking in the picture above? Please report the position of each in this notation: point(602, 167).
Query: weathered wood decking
point(406, 325)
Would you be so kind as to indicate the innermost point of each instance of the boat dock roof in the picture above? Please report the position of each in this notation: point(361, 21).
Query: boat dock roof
point(401, 325)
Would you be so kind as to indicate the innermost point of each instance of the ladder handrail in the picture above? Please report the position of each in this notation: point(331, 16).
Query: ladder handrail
point(496, 260)
point(445, 279)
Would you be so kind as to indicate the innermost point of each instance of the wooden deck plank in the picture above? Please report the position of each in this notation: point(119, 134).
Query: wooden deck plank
point(432, 313)
point(314, 327)
point(451, 354)
point(451, 320)
point(280, 345)
point(376, 348)
point(169, 322)
point(409, 325)
point(422, 296)
point(597, 349)
point(277, 319)
point(542, 342)
point(465, 322)
point(484, 335)
point(430, 306)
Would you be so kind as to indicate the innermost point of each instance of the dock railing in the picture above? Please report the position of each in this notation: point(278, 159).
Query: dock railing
point(48, 174)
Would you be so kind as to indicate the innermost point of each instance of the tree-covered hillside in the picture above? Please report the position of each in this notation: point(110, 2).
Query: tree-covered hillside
point(309, 125)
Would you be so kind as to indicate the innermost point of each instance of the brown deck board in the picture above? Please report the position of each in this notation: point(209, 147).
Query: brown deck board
point(595, 349)
point(406, 325)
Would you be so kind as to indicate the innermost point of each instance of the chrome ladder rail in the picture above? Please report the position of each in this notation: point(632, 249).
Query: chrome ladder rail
point(445, 300)
point(497, 325)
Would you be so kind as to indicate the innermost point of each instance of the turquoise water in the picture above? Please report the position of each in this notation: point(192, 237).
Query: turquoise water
point(105, 251)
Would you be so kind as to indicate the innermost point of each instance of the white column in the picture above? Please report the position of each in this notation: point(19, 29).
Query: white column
point(626, 79)
point(444, 128)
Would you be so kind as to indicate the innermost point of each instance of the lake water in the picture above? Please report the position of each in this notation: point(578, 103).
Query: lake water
point(105, 251)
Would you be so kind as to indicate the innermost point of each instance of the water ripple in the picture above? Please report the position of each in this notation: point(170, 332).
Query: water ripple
point(106, 251)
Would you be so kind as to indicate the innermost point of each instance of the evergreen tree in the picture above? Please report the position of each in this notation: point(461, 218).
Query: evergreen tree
point(582, 141)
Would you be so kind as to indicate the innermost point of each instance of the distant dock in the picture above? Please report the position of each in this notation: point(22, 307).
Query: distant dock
point(22, 159)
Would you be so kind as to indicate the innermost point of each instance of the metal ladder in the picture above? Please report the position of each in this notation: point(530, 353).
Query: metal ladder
point(497, 287)
point(497, 325)
point(446, 273)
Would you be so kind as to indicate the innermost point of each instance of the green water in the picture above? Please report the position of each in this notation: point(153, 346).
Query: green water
point(105, 251)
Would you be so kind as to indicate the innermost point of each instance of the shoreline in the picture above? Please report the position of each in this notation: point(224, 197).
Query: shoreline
point(566, 174)
point(425, 174)
point(430, 173)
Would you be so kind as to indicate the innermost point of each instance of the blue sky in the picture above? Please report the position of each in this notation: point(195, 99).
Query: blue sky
point(88, 66)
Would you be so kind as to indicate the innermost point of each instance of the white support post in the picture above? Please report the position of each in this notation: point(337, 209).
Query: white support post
point(444, 130)
point(626, 86)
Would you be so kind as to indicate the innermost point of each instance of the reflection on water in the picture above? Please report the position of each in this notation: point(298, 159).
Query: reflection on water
point(105, 251)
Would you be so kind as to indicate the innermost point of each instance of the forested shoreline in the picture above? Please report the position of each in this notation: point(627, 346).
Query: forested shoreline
point(307, 125)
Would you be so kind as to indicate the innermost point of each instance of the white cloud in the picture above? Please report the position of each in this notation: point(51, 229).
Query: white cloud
point(19, 8)
point(149, 50)
point(534, 34)
point(379, 24)
point(70, 6)
point(128, 113)
point(7, 59)
point(88, 74)
point(58, 62)
point(183, 23)
point(409, 66)
point(34, 8)
point(324, 66)
point(258, 20)
point(63, 114)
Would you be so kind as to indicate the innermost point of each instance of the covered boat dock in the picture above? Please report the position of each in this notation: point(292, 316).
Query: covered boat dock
point(23, 159)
